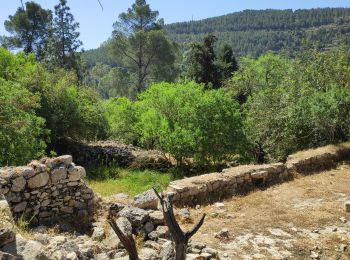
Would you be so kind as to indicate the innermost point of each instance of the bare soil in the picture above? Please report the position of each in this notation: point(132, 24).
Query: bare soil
point(301, 219)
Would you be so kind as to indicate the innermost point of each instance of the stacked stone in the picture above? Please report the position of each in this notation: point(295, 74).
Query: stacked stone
point(212, 187)
point(48, 190)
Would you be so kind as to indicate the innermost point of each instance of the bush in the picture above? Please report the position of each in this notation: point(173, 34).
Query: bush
point(282, 122)
point(122, 118)
point(71, 111)
point(186, 121)
point(21, 131)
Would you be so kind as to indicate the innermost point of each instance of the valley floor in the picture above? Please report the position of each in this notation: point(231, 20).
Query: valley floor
point(301, 219)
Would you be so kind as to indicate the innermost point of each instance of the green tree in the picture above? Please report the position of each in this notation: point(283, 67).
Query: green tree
point(200, 63)
point(187, 121)
point(110, 82)
point(227, 62)
point(29, 28)
point(148, 52)
point(269, 70)
point(64, 40)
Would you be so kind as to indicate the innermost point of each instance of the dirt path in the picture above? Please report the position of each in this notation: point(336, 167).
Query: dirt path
point(301, 219)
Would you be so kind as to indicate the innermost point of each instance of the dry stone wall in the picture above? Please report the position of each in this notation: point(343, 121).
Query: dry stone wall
point(48, 191)
point(213, 187)
point(112, 153)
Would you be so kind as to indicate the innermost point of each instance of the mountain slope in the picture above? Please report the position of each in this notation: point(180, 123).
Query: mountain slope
point(257, 31)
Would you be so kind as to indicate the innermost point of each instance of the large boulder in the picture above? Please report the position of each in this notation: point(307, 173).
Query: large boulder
point(146, 200)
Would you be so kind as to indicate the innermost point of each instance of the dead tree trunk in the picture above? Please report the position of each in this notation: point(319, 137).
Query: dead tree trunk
point(126, 239)
point(180, 238)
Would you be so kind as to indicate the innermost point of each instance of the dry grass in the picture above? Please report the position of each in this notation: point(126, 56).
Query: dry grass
point(311, 202)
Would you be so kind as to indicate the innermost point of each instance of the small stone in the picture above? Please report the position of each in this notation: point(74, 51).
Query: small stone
point(68, 210)
point(157, 217)
point(316, 231)
point(7, 236)
point(205, 256)
point(98, 233)
point(72, 256)
point(64, 159)
point(136, 216)
point(18, 184)
point(39, 180)
point(148, 253)
point(58, 174)
point(210, 251)
point(219, 205)
point(198, 245)
point(45, 203)
point(347, 206)
point(198, 207)
point(343, 220)
point(185, 215)
point(335, 229)
point(167, 251)
point(146, 200)
point(76, 173)
point(343, 247)
point(223, 234)
point(20, 207)
point(314, 255)
point(149, 227)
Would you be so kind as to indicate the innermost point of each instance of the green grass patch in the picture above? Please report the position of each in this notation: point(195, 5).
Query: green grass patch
point(112, 180)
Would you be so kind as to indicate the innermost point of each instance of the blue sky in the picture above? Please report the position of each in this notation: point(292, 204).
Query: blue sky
point(96, 25)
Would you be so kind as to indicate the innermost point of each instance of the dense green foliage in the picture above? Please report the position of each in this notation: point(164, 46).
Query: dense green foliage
point(182, 119)
point(39, 107)
point(255, 32)
point(295, 105)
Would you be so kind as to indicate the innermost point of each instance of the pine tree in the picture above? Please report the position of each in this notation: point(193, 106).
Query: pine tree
point(140, 40)
point(64, 39)
point(29, 29)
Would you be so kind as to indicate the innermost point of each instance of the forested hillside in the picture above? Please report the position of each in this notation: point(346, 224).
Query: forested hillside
point(255, 32)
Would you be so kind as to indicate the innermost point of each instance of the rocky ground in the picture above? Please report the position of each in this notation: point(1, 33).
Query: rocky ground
point(302, 219)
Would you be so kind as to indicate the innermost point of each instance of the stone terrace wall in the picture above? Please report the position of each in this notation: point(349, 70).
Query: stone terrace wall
point(48, 191)
point(212, 187)
point(110, 152)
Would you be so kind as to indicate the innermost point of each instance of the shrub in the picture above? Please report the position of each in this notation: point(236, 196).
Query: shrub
point(186, 121)
point(21, 131)
point(122, 118)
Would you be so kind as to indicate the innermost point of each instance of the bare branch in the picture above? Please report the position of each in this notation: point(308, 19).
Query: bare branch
point(189, 234)
point(100, 4)
point(126, 239)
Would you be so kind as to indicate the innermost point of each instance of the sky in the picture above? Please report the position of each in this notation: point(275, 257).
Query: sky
point(96, 24)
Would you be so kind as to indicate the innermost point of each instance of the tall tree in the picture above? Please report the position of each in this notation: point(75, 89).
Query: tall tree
point(64, 39)
point(29, 29)
point(139, 38)
point(227, 61)
point(200, 62)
